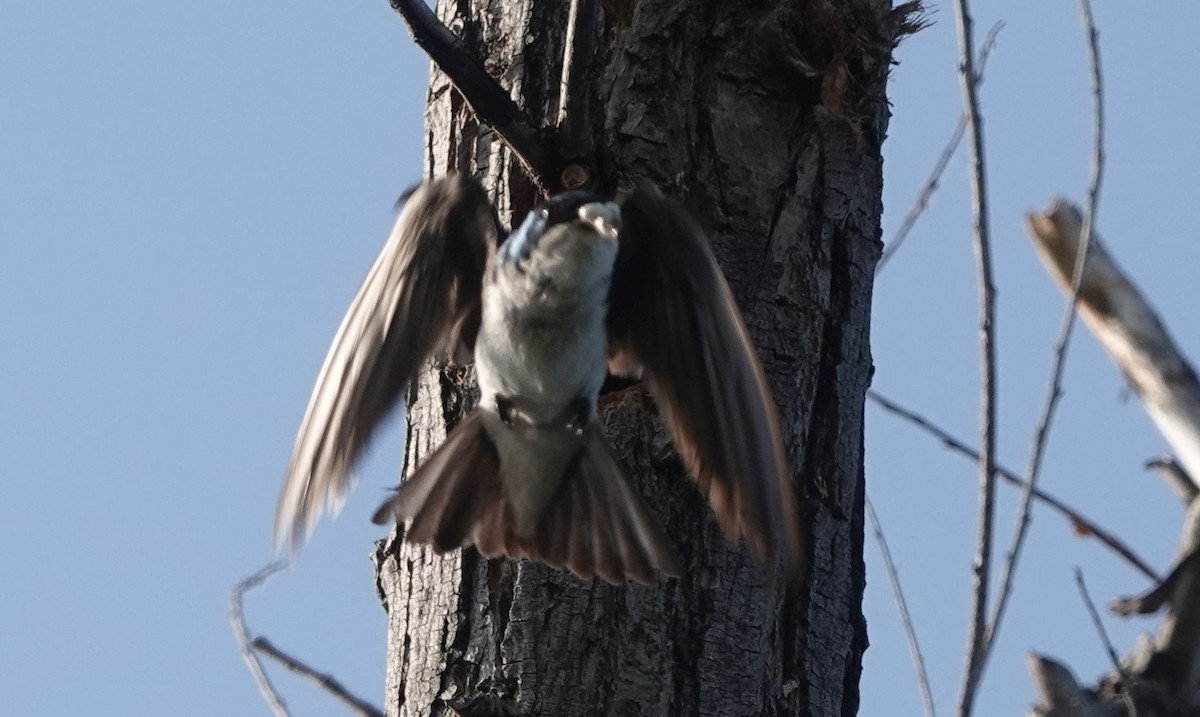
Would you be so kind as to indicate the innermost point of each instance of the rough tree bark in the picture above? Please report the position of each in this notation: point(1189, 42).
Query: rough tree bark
point(766, 119)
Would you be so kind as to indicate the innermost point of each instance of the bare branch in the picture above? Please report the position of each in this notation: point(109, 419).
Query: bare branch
point(1080, 522)
point(976, 643)
point(935, 177)
point(1176, 477)
point(1161, 594)
point(330, 683)
point(1126, 682)
point(261, 644)
point(1054, 389)
point(910, 631)
point(1128, 328)
point(274, 701)
point(489, 101)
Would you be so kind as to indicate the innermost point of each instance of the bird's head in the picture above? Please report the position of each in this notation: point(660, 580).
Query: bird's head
point(572, 234)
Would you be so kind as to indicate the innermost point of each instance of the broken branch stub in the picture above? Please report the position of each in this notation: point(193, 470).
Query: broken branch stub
point(1128, 328)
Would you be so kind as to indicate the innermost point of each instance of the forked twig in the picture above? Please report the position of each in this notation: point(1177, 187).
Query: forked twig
point(1054, 389)
point(1080, 522)
point(935, 177)
point(249, 646)
point(274, 701)
point(327, 681)
point(910, 631)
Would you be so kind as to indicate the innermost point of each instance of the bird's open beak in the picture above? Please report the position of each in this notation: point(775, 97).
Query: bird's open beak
point(604, 216)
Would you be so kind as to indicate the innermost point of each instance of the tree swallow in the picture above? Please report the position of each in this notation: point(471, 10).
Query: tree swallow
point(581, 288)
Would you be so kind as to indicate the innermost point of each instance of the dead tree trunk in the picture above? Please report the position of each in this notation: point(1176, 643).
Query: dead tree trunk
point(766, 119)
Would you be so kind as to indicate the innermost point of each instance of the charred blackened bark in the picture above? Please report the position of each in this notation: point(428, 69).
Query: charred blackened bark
point(766, 120)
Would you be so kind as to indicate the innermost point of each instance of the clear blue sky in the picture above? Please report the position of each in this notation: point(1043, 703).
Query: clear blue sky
point(191, 193)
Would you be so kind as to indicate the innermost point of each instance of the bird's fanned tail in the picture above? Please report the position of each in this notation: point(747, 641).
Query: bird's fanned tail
point(596, 525)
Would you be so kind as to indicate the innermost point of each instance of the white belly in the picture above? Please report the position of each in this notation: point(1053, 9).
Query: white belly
point(543, 346)
point(542, 367)
point(542, 360)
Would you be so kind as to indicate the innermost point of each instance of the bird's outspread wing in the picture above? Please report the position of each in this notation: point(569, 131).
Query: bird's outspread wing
point(422, 290)
point(672, 314)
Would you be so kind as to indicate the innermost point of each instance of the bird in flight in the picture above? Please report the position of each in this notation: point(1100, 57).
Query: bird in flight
point(581, 288)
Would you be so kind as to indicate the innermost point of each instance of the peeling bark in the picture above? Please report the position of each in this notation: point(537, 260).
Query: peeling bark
point(767, 121)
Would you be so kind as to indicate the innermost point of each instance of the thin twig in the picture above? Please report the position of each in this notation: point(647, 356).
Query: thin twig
point(1097, 168)
point(1081, 523)
point(976, 643)
point(1108, 646)
point(489, 101)
point(1096, 622)
point(1054, 389)
point(329, 682)
point(914, 648)
point(935, 177)
point(274, 701)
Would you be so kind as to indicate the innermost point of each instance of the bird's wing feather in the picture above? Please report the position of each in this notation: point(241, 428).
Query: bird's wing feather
point(672, 314)
point(424, 286)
